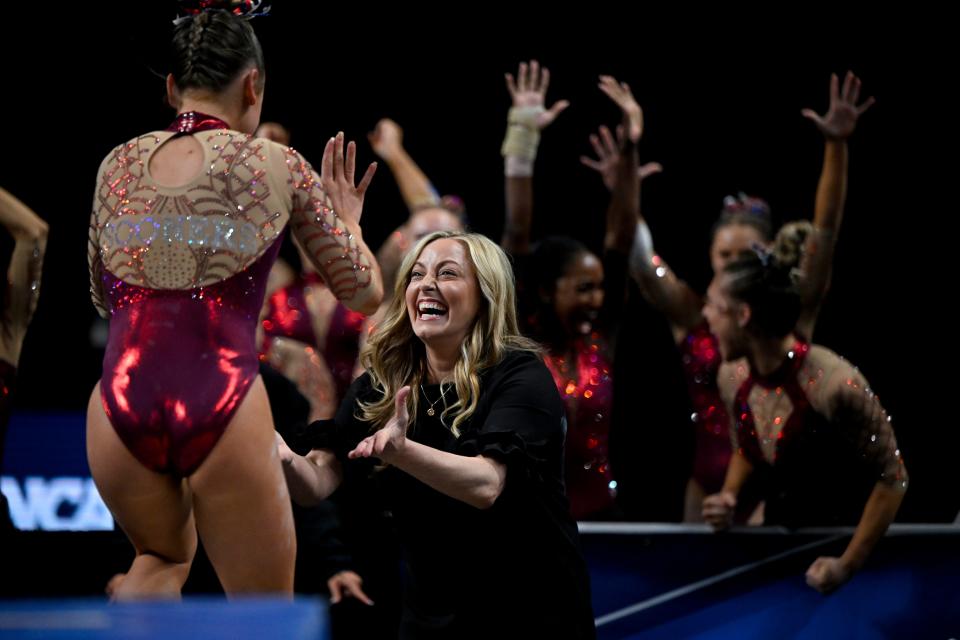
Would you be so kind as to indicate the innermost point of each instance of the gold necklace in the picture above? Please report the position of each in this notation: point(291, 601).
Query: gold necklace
point(430, 411)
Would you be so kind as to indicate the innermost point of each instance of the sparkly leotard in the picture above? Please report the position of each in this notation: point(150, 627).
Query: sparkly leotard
point(587, 392)
point(180, 272)
point(815, 434)
point(582, 370)
point(700, 355)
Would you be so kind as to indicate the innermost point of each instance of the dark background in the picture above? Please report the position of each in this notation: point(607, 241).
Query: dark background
point(722, 95)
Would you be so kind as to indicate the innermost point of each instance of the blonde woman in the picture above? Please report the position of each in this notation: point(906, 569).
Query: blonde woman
point(465, 417)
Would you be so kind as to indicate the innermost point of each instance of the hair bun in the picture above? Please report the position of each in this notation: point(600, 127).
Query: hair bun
point(790, 243)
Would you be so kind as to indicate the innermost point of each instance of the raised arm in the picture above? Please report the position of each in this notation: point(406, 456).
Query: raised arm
point(626, 227)
point(527, 118)
point(326, 221)
point(837, 125)
point(415, 188)
point(23, 274)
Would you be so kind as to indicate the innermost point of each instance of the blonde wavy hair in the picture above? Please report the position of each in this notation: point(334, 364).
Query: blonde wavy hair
point(395, 357)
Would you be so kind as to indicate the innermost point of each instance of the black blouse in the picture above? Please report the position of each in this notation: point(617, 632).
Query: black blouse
point(514, 568)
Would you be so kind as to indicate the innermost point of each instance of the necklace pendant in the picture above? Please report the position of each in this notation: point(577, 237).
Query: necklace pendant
point(430, 411)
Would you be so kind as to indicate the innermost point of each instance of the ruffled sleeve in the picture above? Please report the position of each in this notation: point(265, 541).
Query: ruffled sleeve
point(525, 426)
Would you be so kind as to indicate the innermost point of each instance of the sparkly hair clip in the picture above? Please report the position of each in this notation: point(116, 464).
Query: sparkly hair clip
point(246, 9)
point(742, 203)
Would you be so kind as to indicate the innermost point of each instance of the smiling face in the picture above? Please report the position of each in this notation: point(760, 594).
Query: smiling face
point(443, 296)
point(731, 241)
point(727, 318)
point(578, 297)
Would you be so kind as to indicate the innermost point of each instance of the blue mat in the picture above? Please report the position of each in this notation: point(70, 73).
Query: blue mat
point(202, 617)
